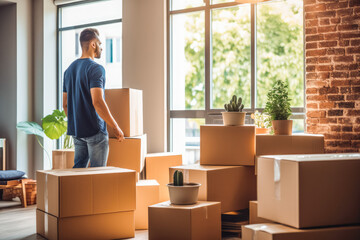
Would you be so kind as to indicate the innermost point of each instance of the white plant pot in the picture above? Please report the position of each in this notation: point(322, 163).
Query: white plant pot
point(184, 195)
point(233, 118)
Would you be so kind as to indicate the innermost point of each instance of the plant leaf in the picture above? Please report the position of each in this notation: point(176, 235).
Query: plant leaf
point(54, 125)
point(31, 128)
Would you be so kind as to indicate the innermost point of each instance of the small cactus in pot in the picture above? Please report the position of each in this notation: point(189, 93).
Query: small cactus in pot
point(233, 115)
point(235, 105)
point(182, 193)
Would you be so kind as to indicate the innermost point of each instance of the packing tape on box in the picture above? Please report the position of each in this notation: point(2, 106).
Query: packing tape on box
point(277, 178)
point(260, 227)
point(46, 203)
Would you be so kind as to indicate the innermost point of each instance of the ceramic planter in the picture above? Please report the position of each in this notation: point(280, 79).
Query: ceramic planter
point(282, 127)
point(184, 195)
point(233, 118)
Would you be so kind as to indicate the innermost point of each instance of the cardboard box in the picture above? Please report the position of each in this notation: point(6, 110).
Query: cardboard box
point(178, 222)
point(99, 226)
point(253, 214)
point(147, 194)
point(126, 106)
point(227, 145)
point(86, 191)
point(310, 190)
point(129, 154)
point(157, 167)
point(272, 231)
point(63, 158)
point(233, 186)
point(289, 144)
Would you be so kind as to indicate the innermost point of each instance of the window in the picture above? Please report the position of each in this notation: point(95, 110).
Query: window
point(106, 16)
point(218, 48)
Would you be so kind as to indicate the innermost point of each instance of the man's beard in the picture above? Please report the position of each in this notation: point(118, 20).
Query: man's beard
point(97, 52)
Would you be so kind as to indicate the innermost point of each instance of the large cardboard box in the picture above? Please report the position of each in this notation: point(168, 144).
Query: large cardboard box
point(227, 145)
point(129, 154)
point(289, 144)
point(86, 191)
point(253, 214)
point(63, 158)
point(99, 226)
point(126, 106)
point(310, 190)
point(272, 231)
point(178, 222)
point(157, 167)
point(147, 194)
point(233, 186)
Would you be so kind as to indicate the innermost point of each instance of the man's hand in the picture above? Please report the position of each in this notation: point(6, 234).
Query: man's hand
point(118, 134)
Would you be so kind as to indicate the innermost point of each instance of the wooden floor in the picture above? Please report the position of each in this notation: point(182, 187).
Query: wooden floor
point(19, 223)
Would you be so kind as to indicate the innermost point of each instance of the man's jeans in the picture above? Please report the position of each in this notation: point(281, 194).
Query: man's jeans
point(94, 148)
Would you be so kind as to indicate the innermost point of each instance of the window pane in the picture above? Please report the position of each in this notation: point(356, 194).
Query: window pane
point(91, 12)
point(70, 43)
point(231, 55)
point(298, 125)
point(182, 4)
point(185, 138)
point(188, 60)
point(280, 49)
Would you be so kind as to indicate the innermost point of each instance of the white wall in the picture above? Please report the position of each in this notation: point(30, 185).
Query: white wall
point(144, 63)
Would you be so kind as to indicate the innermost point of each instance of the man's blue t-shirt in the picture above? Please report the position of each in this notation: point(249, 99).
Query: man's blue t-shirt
point(82, 75)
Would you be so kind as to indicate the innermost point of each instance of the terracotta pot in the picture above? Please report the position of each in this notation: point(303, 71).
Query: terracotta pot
point(262, 130)
point(233, 118)
point(184, 195)
point(282, 127)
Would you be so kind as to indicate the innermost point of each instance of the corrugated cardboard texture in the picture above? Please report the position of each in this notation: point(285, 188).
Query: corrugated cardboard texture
point(178, 222)
point(63, 159)
point(227, 145)
point(78, 192)
point(129, 154)
point(253, 215)
point(147, 194)
point(311, 191)
point(292, 144)
point(233, 186)
point(100, 226)
point(272, 231)
point(126, 106)
point(157, 167)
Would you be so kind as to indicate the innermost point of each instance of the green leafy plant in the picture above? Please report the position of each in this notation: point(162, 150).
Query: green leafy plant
point(235, 105)
point(53, 126)
point(278, 102)
point(178, 178)
point(262, 120)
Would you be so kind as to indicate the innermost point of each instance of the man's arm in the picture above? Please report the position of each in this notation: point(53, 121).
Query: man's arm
point(103, 111)
point(65, 102)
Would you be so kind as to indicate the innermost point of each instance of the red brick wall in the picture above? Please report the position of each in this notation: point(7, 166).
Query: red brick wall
point(332, 55)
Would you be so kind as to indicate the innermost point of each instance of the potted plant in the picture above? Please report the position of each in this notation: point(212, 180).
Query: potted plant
point(278, 107)
point(234, 115)
point(53, 126)
point(182, 193)
point(262, 122)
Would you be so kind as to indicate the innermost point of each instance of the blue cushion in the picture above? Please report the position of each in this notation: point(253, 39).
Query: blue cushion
point(11, 175)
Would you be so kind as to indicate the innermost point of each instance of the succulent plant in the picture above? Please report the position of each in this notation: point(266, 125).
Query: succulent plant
point(178, 178)
point(235, 105)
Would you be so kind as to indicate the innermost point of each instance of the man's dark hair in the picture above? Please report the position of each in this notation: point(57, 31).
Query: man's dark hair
point(87, 35)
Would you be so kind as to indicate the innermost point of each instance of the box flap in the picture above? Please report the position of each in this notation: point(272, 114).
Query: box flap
point(315, 157)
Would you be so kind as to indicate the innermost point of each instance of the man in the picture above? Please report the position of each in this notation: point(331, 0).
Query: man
point(85, 107)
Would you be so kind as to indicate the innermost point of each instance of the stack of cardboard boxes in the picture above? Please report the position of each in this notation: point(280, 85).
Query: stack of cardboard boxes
point(316, 196)
point(96, 203)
